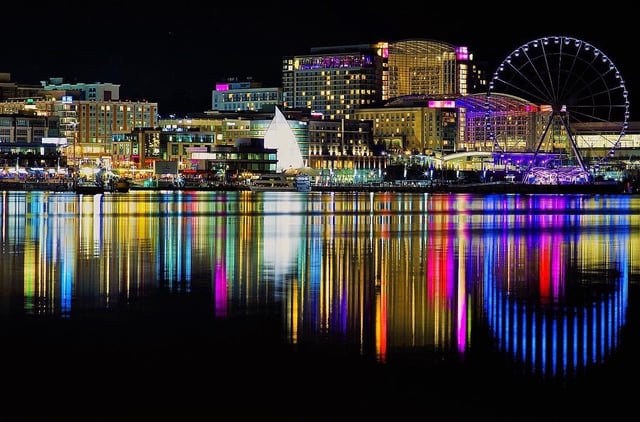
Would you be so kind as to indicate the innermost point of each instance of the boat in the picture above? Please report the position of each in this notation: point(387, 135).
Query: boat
point(88, 187)
point(281, 182)
point(121, 185)
point(118, 185)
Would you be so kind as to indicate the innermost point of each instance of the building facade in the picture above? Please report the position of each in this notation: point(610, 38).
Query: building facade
point(30, 141)
point(89, 125)
point(429, 67)
point(245, 96)
point(97, 91)
point(332, 82)
point(99, 121)
point(214, 129)
point(11, 90)
point(415, 124)
point(343, 144)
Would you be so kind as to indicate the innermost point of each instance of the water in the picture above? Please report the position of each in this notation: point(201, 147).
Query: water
point(319, 306)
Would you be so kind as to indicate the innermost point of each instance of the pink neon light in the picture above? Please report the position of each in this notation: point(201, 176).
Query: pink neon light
point(442, 104)
point(462, 53)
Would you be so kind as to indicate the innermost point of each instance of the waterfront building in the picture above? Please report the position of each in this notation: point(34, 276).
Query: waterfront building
point(10, 90)
point(135, 152)
point(97, 91)
point(414, 124)
point(29, 141)
point(179, 138)
point(235, 95)
point(235, 163)
point(223, 126)
point(334, 81)
point(430, 67)
point(206, 142)
point(99, 121)
point(212, 129)
point(194, 152)
point(344, 148)
point(88, 124)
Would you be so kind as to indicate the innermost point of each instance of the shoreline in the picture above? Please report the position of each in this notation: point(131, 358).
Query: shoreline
point(470, 188)
point(489, 188)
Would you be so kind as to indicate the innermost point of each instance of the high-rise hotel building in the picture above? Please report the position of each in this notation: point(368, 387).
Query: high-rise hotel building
point(333, 81)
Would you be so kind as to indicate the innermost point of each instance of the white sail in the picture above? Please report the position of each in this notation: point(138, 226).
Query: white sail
point(280, 136)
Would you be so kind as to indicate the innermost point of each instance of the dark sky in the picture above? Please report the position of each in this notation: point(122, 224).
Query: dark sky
point(174, 53)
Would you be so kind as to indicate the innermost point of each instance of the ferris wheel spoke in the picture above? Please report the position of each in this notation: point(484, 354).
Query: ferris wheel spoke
point(520, 91)
point(585, 73)
point(597, 111)
point(544, 87)
point(521, 77)
point(594, 97)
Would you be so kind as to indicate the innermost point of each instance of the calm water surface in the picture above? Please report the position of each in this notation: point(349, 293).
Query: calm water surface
point(319, 306)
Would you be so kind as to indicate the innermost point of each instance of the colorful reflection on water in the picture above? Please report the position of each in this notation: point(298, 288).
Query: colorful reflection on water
point(547, 276)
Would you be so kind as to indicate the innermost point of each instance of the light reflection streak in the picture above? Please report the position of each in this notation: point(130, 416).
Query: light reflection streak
point(219, 256)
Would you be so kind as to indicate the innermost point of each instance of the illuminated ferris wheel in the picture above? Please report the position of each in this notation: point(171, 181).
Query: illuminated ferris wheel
point(582, 105)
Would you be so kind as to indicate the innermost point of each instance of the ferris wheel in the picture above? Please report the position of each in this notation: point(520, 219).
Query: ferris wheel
point(581, 103)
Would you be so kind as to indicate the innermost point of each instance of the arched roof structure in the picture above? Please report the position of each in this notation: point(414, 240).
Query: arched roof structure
point(472, 103)
point(496, 102)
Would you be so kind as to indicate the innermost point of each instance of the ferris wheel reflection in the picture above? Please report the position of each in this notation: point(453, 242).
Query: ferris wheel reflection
point(563, 312)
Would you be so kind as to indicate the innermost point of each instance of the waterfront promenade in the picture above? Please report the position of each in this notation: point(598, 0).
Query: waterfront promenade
point(474, 184)
point(63, 185)
point(484, 188)
point(53, 185)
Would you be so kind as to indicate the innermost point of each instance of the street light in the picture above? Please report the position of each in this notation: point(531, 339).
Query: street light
point(73, 149)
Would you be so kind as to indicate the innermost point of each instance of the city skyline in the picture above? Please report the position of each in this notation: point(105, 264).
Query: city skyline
point(175, 57)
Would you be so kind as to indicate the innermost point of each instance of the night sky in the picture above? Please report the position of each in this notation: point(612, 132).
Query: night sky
point(174, 54)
